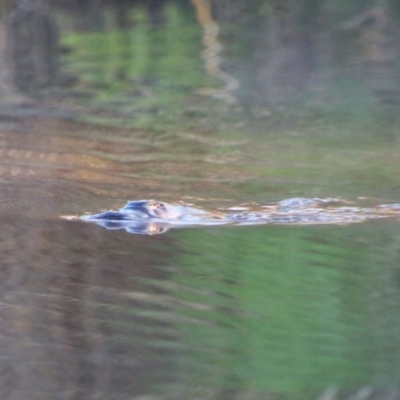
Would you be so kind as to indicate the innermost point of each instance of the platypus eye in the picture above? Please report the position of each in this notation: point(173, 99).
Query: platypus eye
point(152, 204)
point(154, 230)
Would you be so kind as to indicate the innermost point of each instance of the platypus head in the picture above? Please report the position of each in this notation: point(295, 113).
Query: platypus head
point(139, 206)
point(154, 209)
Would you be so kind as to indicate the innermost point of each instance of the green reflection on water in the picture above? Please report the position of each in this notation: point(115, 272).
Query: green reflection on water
point(122, 61)
point(148, 77)
point(291, 309)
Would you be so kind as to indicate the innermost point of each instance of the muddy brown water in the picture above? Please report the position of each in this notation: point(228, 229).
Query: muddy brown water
point(209, 312)
point(245, 106)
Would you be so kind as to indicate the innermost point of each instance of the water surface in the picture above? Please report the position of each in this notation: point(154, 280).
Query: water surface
point(198, 313)
point(245, 312)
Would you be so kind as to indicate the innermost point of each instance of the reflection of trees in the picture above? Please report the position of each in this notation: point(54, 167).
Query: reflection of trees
point(33, 47)
point(33, 35)
point(78, 321)
point(304, 52)
point(293, 59)
point(211, 54)
point(90, 14)
point(285, 61)
point(300, 312)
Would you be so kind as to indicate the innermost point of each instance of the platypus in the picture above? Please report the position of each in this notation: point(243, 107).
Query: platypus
point(144, 209)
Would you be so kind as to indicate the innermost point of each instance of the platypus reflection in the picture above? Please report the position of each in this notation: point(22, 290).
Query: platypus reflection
point(143, 227)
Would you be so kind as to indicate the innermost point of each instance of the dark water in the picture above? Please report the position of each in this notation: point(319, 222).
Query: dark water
point(199, 313)
point(263, 109)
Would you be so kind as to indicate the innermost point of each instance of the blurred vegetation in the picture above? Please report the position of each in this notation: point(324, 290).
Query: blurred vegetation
point(151, 75)
point(284, 310)
point(316, 110)
point(290, 310)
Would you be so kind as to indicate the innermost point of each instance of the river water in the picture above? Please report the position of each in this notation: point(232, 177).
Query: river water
point(245, 312)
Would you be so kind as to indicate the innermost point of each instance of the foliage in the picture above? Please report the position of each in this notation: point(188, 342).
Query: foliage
point(282, 309)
